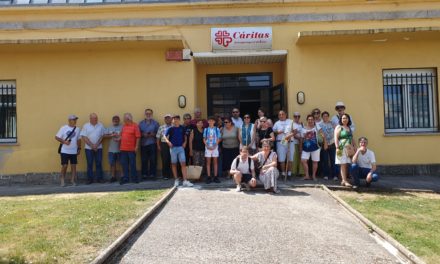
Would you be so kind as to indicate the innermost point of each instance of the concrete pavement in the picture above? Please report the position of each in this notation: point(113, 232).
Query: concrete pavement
point(302, 225)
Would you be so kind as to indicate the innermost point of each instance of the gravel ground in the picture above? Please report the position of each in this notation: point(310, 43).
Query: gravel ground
point(303, 225)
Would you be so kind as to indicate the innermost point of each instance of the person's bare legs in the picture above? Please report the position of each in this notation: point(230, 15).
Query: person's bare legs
point(184, 172)
point(215, 167)
point(344, 175)
point(208, 167)
point(63, 174)
point(315, 169)
point(73, 170)
point(306, 169)
point(237, 178)
point(174, 169)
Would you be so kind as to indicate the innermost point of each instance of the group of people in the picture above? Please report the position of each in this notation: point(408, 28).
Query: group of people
point(231, 146)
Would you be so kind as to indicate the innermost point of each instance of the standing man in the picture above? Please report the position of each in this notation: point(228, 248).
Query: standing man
point(92, 134)
point(197, 117)
point(236, 119)
point(284, 132)
point(340, 109)
point(163, 147)
point(148, 128)
point(130, 137)
point(364, 164)
point(70, 143)
point(176, 140)
point(114, 134)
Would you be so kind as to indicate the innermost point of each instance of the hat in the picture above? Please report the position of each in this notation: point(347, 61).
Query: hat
point(168, 115)
point(296, 114)
point(72, 117)
point(176, 116)
point(339, 104)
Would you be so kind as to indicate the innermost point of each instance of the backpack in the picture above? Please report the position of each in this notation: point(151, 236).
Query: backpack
point(237, 161)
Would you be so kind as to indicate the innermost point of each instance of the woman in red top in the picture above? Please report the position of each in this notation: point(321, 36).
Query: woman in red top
point(130, 136)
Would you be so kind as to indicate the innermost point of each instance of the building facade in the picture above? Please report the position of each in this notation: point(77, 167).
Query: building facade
point(380, 58)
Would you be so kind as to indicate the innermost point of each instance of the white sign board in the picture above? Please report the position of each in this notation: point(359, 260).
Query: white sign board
point(242, 38)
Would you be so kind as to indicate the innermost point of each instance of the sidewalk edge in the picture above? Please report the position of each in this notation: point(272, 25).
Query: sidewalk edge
point(106, 253)
point(373, 228)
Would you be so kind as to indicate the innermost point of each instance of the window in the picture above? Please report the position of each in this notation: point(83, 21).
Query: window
point(410, 100)
point(8, 113)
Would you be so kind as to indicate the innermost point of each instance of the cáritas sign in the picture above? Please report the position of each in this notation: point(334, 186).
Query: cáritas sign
point(242, 38)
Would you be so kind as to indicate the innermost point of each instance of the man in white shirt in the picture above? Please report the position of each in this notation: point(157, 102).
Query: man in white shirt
point(364, 164)
point(236, 119)
point(285, 145)
point(243, 171)
point(340, 109)
point(92, 133)
point(70, 141)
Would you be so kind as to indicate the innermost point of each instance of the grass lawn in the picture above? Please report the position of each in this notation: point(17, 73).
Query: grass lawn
point(413, 219)
point(67, 228)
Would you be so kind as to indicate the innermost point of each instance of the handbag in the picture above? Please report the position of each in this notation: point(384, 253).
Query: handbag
point(194, 172)
point(67, 138)
point(349, 150)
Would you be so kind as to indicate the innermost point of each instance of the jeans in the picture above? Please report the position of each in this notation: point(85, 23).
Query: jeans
point(128, 162)
point(328, 161)
point(94, 157)
point(358, 173)
point(166, 160)
point(149, 160)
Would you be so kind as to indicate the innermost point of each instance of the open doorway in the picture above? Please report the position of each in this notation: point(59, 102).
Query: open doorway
point(248, 92)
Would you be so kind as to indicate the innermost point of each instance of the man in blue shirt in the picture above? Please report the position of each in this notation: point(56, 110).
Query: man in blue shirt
point(148, 128)
point(176, 140)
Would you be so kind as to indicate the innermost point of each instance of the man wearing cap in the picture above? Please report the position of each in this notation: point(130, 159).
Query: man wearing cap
point(70, 141)
point(114, 134)
point(148, 128)
point(197, 117)
point(163, 148)
point(92, 133)
point(340, 109)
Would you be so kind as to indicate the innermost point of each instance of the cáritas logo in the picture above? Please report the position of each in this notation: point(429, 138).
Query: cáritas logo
point(224, 38)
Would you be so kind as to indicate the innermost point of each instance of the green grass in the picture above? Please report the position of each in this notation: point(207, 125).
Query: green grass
point(67, 228)
point(413, 219)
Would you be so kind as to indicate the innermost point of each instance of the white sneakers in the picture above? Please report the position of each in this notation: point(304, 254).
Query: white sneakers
point(176, 182)
point(238, 188)
point(187, 183)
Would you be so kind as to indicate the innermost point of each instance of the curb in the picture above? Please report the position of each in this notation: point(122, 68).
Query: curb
point(106, 253)
point(372, 228)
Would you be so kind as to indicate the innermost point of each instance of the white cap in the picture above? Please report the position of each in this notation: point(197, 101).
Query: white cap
point(72, 117)
point(339, 104)
point(168, 115)
point(296, 114)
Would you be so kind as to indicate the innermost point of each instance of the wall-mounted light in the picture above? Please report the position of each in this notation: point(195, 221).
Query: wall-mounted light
point(300, 98)
point(181, 100)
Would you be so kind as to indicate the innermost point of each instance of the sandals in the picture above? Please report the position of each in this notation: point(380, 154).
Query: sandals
point(346, 184)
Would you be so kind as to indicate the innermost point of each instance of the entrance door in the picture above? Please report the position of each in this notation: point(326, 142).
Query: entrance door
point(248, 92)
point(276, 101)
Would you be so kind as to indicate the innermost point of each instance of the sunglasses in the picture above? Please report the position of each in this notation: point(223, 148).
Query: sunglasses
point(316, 113)
point(247, 117)
point(340, 108)
point(297, 116)
point(226, 122)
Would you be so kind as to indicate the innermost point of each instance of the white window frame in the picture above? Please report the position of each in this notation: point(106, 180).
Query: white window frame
point(406, 83)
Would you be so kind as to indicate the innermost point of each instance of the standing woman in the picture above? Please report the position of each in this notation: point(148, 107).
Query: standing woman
point(196, 145)
point(247, 135)
point(261, 114)
point(343, 143)
point(328, 168)
point(268, 168)
point(230, 143)
point(309, 147)
point(264, 133)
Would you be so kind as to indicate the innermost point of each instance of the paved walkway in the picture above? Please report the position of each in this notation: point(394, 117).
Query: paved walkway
point(222, 226)
point(428, 183)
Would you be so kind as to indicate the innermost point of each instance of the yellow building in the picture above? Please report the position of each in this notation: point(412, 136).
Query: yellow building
point(106, 56)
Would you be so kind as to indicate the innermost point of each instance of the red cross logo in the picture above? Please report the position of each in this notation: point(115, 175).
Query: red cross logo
point(222, 37)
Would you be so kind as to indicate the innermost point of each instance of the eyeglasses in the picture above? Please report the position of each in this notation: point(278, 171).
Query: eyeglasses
point(316, 113)
point(296, 116)
point(226, 122)
point(340, 108)
point(247, 117)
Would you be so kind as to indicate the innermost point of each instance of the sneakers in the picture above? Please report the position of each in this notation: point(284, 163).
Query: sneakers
point(289, 173)
point(335, 178)
point(176, 182)
point(238, 188)
point(325, 178)
point(216, 180)
point(187, 183)
point(208, 180)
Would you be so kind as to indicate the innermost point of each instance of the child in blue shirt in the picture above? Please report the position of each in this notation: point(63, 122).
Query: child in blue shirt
point(211, 138)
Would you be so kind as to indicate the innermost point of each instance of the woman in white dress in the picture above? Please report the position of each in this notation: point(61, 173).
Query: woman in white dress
point(268, 168)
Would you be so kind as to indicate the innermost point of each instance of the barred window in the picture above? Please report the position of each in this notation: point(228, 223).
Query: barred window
point(8, 113)
point(410, 100)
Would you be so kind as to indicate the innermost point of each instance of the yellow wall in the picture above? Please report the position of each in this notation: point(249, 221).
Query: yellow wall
point(116, 77)
point(52, 84)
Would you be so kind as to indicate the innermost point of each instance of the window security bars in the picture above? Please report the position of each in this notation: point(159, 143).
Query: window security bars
point(410, 101)
point(8, 113)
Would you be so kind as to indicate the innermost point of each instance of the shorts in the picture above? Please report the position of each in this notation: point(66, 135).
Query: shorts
point(211, 153)
point(315, 155)
point(113, 157)
point(282, 151)
point(177, 155)
point(245, 178)
point(65, 158)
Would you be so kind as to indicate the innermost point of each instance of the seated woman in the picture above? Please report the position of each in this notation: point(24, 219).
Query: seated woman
point(242, 169)
point(268, 168)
